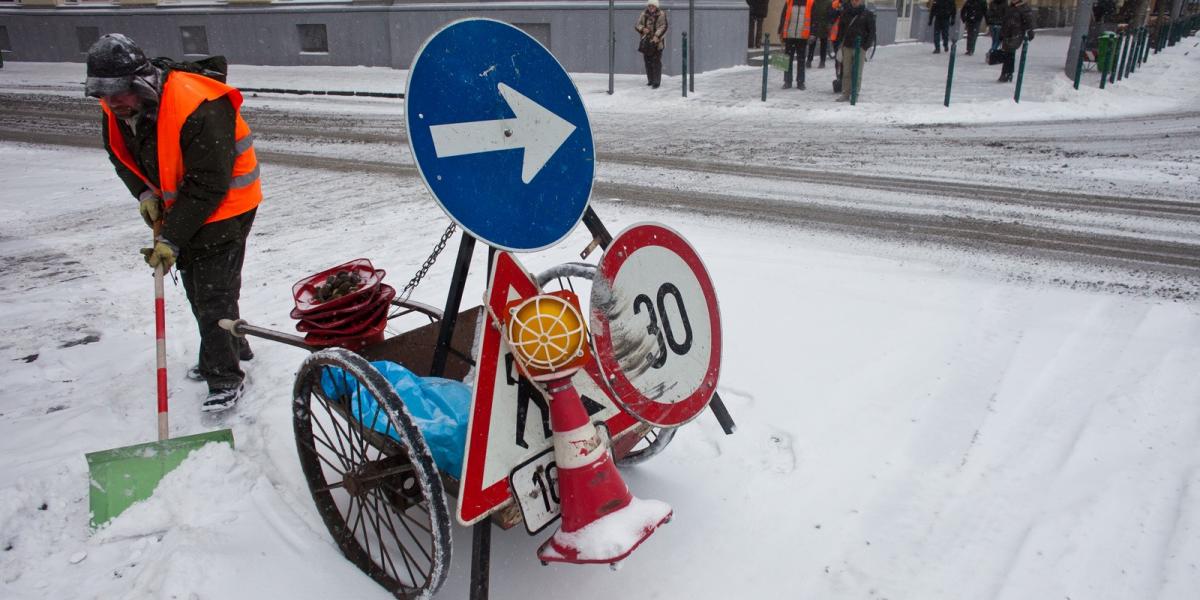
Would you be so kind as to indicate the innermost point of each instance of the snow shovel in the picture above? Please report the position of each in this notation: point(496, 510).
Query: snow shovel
point(122, 476)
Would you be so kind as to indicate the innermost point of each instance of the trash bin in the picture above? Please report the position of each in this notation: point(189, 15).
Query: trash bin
point(1105, 48)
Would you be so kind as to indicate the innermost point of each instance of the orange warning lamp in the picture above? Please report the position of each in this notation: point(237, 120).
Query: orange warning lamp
point(548, 334)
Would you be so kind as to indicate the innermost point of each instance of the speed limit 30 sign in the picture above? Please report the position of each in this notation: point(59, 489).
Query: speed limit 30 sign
point(656, 325)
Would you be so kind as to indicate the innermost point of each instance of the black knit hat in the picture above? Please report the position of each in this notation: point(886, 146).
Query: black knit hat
point(112, 64)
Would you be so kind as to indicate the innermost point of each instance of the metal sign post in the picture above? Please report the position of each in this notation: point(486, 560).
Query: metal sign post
point(612, 45)
point(691, 63)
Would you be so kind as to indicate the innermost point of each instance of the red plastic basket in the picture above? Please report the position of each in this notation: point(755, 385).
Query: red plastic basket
point(353, 325)
point(372, 335)
point(344, 316)
point(304, 292)
point(322, 315)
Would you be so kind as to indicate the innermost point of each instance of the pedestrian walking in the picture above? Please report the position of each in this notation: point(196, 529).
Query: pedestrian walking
point(1016, 27)
point(652, 29)
point(972, 13)
point(855, 23)
point(178, 141)
point(994, 19)
point(941, 16)
point(793, 30)
point(758, 12)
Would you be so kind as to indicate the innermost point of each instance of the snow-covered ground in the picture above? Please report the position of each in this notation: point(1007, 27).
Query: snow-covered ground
point(914, 422)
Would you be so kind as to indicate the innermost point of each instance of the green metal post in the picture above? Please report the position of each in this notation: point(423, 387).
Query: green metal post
point(1145, 46)
point(1124, 53)
point(1102, 44)
point(685, 65)
point(766, 62)
point(1021, 71)
point(1079, 61)
point(1114, 54)
point(950, 72)
point(854, 74)
point(1134, 53)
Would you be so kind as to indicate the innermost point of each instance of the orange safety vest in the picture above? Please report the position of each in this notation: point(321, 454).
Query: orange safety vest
point(182, 94)
point(833, 31)
point(787, 19)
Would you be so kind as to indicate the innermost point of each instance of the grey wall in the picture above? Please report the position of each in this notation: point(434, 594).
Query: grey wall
point(885, 24)
point(382, 35)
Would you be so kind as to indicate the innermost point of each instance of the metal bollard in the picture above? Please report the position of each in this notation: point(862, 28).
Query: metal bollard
point(1145, 47)
point(1079, 61)
point(854, 74)
point(1021, 71)
point(1124, 48)
point(1116, 54)
point(766, 62)
point(684, 72)
point(950, 72)
point(1135, 49)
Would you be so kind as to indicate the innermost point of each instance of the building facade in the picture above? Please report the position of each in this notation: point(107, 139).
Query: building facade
point(360, 32)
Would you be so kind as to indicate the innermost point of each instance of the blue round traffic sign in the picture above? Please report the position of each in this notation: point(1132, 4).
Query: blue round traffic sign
point(499, 134)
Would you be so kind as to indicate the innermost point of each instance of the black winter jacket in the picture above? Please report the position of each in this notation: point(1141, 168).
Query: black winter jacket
point(207, 144)
point(943, 11)
point(995, 12)
point(856, 23)
point(973, 11)
point(1017, 25)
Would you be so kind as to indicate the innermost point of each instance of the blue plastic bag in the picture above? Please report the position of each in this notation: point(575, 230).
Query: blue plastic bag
point(439, 407)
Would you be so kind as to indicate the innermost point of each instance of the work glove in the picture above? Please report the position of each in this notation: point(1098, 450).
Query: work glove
point(163, 253)
point(150, 207)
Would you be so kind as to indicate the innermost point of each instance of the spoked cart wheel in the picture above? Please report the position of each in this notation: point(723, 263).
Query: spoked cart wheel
point(656, 439)
point(381, 499)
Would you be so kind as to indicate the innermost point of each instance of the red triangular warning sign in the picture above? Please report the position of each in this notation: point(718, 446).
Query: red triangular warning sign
point(510, 415)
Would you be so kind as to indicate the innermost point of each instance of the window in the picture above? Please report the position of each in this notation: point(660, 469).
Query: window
point(194, 39)
point(87, 36)
point(538, 31)
point(313, 38)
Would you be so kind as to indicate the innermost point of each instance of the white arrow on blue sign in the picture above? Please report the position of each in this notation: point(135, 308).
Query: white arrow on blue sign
point(499, 134)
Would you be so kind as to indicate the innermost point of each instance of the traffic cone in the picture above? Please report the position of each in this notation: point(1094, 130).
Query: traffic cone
point(601, 521)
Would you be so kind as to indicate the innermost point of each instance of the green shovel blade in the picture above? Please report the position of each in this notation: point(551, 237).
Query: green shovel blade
point(122, 476)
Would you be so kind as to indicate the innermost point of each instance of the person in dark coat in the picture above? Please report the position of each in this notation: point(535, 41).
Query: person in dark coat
point(183, 165)
point(995, 17)
point(972, 13)
point(819, 26)
point(1016, 27)
point(758, 12)
point(941, 16)
point(652, 29)
point(854, 23)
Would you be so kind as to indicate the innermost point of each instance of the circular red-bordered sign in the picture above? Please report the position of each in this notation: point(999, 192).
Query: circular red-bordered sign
point(656, 326)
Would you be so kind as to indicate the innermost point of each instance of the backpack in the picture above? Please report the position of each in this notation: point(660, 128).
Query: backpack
point(213, 67)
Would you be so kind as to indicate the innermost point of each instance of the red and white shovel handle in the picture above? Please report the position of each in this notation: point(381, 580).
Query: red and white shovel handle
point(160, 342)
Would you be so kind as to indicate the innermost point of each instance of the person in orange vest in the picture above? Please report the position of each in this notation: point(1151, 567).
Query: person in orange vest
point(793, 30)
point(178, 141)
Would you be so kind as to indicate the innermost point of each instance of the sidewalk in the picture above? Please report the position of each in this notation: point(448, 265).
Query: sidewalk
point(902, 84)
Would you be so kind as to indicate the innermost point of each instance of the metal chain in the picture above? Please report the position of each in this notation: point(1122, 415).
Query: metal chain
point(416, 279)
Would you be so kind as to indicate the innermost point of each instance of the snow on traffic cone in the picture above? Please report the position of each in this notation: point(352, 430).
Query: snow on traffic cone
point(601, 521)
